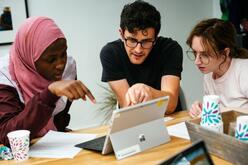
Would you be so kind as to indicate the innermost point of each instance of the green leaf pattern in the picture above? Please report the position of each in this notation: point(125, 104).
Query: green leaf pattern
point(211, 113)
point(241, 132)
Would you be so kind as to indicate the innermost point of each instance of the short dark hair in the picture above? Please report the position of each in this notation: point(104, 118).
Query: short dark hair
point(140, 15)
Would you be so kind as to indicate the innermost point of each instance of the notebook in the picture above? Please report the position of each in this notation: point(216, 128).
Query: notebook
point(195, 154)
point(133, 129)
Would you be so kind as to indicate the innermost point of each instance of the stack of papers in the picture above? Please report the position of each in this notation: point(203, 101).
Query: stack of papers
point(59, 145)
point(179, 130)
point(168, 118)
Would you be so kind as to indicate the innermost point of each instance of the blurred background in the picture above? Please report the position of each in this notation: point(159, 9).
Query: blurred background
point(89, 24)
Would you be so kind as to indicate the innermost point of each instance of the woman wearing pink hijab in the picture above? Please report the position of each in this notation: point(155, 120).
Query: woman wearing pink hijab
point(37, 81)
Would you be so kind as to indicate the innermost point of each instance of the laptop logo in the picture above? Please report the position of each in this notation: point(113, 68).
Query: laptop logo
point(142, 138)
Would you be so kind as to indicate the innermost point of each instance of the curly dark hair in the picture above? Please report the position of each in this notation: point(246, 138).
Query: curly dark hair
point(140, 15)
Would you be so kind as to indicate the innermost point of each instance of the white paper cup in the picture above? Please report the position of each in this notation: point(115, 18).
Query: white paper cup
point(19, 143)
point(241, 131)
point(211, 110)
point(214, 127)
point(211, 103)
point(211, 98)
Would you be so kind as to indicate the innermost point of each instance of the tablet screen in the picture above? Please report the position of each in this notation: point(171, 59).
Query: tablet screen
point(194, 155)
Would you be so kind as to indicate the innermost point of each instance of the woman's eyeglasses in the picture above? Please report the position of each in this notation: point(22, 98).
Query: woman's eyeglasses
point(192, 55)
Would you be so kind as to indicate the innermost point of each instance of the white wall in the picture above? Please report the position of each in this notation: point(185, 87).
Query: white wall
point(4, 49)
point(90, 24)
point(178, 19)
point(216, 9)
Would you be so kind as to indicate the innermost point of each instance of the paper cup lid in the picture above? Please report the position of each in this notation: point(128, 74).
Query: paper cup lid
point(242, 119)
point(18, 133)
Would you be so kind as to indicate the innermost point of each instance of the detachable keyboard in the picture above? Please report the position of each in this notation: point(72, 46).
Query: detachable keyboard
point(95, 144)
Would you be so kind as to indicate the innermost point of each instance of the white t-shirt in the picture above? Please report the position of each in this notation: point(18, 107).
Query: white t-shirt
point(232, 87)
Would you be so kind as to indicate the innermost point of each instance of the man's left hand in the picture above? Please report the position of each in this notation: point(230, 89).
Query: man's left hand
point(138, 93)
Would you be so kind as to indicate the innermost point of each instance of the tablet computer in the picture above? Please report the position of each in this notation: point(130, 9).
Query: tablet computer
point(133, 129)
point(195, 154)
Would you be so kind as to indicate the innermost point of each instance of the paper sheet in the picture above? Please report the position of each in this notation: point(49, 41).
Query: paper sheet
point(168, 118)
point(59, 145)
point(179, 130)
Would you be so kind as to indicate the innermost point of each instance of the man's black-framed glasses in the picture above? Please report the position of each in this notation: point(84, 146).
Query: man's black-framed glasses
point(191, 54)
point(146, 44)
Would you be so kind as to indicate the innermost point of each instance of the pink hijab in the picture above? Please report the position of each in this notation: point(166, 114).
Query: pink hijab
point(33, 37)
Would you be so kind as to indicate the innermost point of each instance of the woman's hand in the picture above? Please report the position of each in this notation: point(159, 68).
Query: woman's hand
point(72, 89)
point(195, 110)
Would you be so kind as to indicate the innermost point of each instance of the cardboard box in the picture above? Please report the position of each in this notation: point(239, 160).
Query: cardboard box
point(223, 145)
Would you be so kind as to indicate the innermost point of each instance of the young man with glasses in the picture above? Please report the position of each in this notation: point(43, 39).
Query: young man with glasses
point(142, 66)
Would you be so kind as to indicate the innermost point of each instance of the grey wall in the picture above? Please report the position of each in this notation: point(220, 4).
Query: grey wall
point(89, 24)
